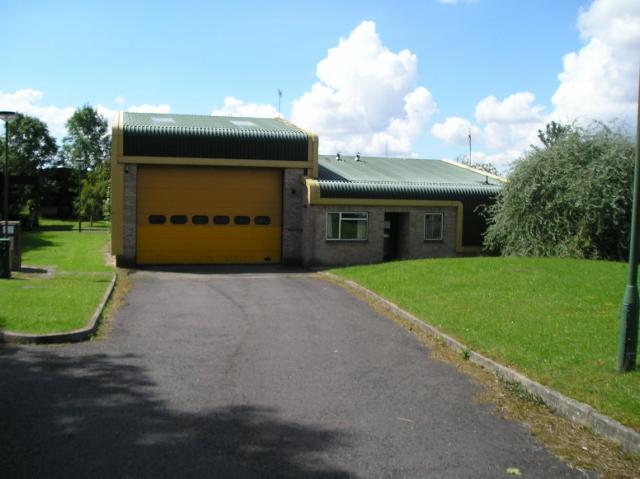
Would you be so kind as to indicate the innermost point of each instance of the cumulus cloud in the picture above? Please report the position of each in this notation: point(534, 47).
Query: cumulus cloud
point(366, 98)
point(147, 108)
point(29, 102)
point(235, 107)
point(455, 130)
point(599, 82)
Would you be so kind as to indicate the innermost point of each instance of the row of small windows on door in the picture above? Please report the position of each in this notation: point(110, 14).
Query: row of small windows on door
point(204, 220)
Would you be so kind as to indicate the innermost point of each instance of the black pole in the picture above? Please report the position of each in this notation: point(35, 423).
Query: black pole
point(628, 344)
point(6, 179)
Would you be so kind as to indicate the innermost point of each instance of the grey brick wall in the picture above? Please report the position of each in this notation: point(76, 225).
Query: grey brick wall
point(411, 244)
point(129, 218)
point(293, 193)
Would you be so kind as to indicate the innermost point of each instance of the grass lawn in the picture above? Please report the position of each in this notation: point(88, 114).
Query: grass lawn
point(556, 320)
point(65, 299)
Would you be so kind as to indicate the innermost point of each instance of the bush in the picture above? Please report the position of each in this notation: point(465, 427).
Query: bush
point(571, 198)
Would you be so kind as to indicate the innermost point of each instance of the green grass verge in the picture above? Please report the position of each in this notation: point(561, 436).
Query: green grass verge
point(556, 320)
point(66, 299)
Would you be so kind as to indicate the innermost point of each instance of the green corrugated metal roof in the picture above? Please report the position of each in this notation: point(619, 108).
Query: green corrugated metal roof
point(395, 178)
point(205, 122)
point(203, 136)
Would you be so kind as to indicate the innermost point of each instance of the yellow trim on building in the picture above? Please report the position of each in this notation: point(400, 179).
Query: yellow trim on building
point(182, 161)
point(312, 151)
point(117, 188)
point(314, 198)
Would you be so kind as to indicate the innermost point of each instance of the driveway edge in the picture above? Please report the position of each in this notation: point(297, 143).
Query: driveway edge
point(576, 411)
point(76, 336)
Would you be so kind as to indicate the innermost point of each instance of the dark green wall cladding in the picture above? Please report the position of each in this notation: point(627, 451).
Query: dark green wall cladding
point(219, 143)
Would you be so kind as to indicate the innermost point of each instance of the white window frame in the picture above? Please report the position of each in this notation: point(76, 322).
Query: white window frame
point(441, 215)
point(340, 213)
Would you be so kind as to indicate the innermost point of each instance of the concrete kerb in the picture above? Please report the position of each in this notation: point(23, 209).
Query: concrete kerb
point(76, 336)
point(627, 438)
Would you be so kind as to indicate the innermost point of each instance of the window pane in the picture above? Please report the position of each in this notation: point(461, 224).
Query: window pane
point(220, 220)
point(178, 219)
point(333, 222)
point(354, 216)
point(354, 230)
point(242, 220)
point(262, 220)
point(433, 226)
point(157, 219)
point(200, 219)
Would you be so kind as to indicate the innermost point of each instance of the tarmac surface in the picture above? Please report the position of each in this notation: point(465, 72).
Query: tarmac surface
point(250, 373)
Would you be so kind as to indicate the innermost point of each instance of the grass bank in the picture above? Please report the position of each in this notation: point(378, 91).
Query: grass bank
point(556, 320)
point(63, 280)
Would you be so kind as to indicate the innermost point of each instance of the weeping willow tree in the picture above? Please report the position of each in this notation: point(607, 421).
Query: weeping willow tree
point(571, 198)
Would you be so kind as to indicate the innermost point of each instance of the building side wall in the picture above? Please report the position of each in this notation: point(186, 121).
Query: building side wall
point(129, 216)
point(317, 251)
point(292, 206)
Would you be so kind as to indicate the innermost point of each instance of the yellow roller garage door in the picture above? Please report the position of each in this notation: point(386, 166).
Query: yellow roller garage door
point(208, 215)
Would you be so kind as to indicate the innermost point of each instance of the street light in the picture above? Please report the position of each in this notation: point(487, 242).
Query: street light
point(6, 116)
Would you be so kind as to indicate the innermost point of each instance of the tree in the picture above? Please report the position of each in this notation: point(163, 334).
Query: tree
point(31, 148)
point(553, 132)
point(87, 148)
point(572, 198)
point(88, 142)
point(486, 167)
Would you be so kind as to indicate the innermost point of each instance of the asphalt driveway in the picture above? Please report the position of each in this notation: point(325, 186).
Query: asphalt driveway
point(264, 373)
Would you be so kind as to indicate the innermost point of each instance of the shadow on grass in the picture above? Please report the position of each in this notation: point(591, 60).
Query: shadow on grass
point(101, 416)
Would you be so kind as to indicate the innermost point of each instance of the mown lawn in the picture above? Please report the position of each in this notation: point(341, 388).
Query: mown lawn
point(556, 320)
point(65, 298)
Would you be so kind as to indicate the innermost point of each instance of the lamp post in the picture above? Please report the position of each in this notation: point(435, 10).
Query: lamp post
point(6, 116)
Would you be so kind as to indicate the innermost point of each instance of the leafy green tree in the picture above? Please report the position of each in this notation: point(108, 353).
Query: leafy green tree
point(572, 198)
point(87, 148)
point(31, 148)
point(88, 142)
point(553, 132)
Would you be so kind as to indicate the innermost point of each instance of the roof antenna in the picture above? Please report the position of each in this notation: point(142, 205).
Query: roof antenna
point(338, 157)
point(279, 98)
point(469, 146)
point(358, 156)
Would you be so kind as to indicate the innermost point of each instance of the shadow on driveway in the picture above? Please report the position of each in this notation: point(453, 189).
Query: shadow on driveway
point(100, 416)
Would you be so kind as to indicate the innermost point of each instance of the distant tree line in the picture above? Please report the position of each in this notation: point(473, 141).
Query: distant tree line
point(570, 197)
point(67, 181)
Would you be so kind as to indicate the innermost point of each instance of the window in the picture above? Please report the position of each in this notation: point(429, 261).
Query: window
point(262, 220)
point(220, 220)
point(179, 220)
point(157, 219)
point(200, 219)
point(347, 226)
point(241, 220)
point(433, 226)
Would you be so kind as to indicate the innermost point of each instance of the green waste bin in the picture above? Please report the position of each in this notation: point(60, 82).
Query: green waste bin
point(5, 258)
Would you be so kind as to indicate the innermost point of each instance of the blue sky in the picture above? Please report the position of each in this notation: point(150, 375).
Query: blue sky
point(188, 57)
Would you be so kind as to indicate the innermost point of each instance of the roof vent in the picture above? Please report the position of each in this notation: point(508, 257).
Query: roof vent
point(358, 156)
point(338, 157)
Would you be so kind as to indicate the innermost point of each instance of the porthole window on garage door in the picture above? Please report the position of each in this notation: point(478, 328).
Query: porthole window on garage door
point(179, 219)
point(200, 219)
point(262, 220)
point(220, 220)
point(157, 219)
point(241, 220)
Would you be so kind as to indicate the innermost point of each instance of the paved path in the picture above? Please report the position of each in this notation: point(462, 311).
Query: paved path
point(256, 375)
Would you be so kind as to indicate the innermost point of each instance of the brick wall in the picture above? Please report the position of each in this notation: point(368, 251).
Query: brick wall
point(293, 193)
point(316, 250)
point(129, 216)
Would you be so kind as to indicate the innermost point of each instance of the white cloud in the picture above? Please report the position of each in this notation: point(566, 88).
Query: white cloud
point(455, 130)
point(235, 107)
point(366, 98)
point(28, 102)
point(147, 108)
point(599, 82)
